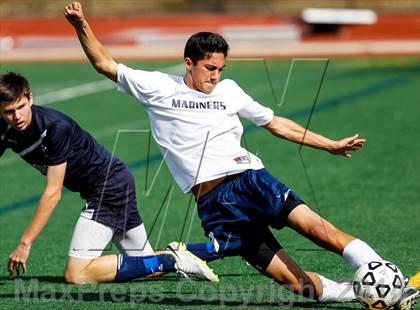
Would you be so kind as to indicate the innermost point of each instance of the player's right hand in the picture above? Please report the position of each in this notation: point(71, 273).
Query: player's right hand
point(17, 260)
point(343, 146)
point(74, 14)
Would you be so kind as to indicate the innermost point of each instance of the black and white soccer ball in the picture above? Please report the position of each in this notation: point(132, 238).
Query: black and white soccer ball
point(378, 284)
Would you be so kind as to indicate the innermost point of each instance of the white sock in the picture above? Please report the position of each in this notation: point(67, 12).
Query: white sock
point(357, 253)
point(336, 292)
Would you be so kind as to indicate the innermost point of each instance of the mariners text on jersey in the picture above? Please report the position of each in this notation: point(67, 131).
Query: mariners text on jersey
point(189, 104)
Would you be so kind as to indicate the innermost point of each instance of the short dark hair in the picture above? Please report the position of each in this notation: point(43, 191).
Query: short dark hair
point(12, 87)
point(202, 44)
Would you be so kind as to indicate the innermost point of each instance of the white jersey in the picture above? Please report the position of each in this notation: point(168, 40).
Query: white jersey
point(199, 134)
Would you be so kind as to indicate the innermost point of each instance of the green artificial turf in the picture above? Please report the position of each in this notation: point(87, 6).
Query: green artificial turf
point(374, 195)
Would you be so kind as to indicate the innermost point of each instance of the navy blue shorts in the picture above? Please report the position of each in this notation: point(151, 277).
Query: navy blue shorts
point(240, 210)
point(115, 204)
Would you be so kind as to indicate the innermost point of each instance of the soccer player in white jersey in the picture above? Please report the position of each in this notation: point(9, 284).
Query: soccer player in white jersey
point(195, 121)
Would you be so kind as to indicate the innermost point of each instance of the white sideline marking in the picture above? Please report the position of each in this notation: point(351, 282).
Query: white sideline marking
point(90, 88)
point(74, 91)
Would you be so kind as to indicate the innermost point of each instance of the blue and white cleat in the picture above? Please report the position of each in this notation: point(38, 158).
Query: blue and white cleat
point(188, 265)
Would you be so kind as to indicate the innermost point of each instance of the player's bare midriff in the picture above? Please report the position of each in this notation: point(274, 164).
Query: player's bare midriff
point(199, 190)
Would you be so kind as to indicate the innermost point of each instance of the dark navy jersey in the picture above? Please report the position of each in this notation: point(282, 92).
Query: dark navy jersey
point(53, 138)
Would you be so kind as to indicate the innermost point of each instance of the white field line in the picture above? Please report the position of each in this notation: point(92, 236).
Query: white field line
point(89, 88)
point(74, 91)
point(78, 91)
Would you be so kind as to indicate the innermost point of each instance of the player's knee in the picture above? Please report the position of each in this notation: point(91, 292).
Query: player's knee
point(69, 277)
point(72, 277)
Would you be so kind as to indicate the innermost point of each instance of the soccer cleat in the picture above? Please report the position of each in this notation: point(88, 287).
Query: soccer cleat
point(408, 299)
point(177, 246)
point(188, 265)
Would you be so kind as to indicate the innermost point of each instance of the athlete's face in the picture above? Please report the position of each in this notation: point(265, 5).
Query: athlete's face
point(18, 113)
point(205, 74)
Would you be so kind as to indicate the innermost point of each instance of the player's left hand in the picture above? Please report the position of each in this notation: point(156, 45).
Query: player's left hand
point(17, 259)
point(343, 146)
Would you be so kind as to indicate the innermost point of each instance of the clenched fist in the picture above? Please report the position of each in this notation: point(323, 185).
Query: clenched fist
point(74, 14)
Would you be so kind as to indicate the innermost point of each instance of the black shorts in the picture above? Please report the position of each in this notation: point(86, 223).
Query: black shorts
point(115, 205)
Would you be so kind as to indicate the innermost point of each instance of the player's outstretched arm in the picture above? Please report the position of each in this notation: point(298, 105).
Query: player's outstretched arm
point(94, 50)
point(289, 130)
point(46, 205)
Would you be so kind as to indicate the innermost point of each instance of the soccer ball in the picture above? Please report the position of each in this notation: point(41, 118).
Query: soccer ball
point(378, 285)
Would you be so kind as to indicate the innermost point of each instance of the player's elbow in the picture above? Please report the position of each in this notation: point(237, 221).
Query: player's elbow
point(52, 197)
point(276, 127)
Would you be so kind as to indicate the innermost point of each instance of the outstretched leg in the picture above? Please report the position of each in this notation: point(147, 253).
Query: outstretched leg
point(312, 226)
point(309, 224)
point(266, 255)
point(354, 251)
point(285, 271)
